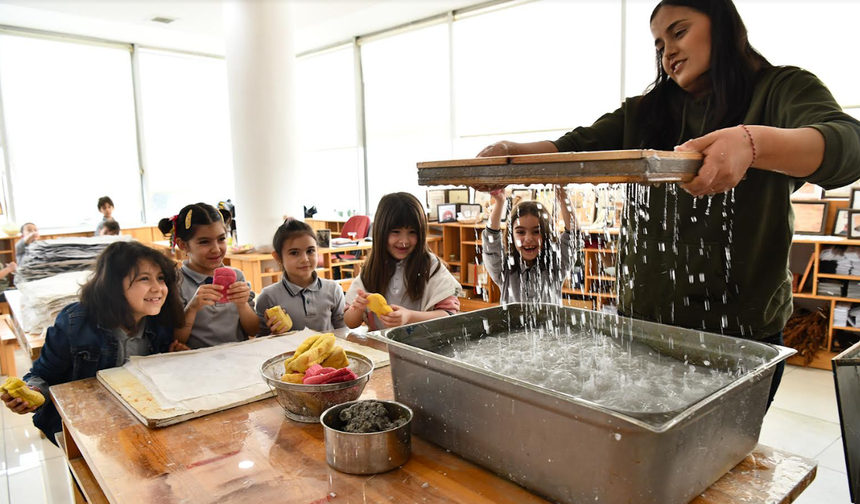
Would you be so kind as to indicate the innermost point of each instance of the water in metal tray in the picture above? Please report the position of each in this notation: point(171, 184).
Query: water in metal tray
point(620, 374)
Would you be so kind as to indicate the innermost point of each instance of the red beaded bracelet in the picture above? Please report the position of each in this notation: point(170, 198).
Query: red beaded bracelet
point(752, 142)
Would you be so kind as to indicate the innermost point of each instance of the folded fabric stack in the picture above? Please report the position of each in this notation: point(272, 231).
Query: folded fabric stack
point(42, 300)
point(840, 314)
point(46, 258)
point(853, 290)
point(854, 316)
point(833, 288)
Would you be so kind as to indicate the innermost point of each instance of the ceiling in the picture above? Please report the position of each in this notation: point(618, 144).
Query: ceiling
point(199, 23)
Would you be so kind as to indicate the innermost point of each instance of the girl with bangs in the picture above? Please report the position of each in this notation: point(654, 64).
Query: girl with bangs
point(401, 267)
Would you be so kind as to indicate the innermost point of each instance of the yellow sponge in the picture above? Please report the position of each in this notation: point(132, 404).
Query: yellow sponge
point(293, 377)
point(278, 313)
point(378, 305)
point(19, 390)
point(322, 347)
point(336, 360)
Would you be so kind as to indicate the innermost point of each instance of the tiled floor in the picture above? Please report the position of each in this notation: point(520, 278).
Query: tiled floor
point(803, 420)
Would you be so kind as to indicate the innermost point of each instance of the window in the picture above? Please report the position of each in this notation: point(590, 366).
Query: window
point(407, 108)
point(69, 112)
point(329, 153)
point(186, 130)
point(543, 67)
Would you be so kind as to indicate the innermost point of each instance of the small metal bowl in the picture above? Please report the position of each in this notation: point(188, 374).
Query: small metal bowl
point(370, 453)
point(305, 403)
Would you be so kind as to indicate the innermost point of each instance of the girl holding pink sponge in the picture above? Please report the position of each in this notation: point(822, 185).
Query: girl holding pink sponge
point(219, 303)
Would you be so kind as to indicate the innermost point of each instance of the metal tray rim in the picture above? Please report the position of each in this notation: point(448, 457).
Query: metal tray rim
point(679, 415)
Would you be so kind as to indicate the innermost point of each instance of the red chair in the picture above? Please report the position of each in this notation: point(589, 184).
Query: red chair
point(358, 224)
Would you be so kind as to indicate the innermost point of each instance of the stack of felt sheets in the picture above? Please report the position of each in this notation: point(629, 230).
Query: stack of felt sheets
point(43, 299)
point(46, 258)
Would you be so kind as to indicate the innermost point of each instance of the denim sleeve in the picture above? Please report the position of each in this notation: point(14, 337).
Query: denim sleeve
point(52, 366)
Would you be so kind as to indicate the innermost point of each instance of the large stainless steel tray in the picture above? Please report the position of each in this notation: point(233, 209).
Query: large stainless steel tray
point(645, 166)
point(568, 449)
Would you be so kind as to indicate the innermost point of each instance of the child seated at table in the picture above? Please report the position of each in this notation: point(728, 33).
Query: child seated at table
point(310, 301)
point(110, 227)
point(200, 230)
point(29, 234)
point(414, 282)
point(130, 306)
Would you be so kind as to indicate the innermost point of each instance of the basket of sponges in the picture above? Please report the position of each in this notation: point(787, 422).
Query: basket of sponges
point(316, 376)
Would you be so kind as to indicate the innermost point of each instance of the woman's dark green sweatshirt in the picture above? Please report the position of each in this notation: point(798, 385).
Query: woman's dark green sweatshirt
point(721, 263)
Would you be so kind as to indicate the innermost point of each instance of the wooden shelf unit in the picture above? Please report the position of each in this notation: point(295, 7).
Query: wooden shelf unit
point(811, 275)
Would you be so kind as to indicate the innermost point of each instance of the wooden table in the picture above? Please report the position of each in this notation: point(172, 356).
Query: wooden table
point(254, 454)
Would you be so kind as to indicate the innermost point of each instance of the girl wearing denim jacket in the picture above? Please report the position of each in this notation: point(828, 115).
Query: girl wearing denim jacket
point(130, 306)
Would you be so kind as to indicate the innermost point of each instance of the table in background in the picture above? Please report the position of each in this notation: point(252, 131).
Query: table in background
point(30, 342)
point(252, 453)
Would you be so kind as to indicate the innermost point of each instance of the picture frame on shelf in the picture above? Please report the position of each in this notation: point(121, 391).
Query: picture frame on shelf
point(810, 217)
point(447, 212)
point(855, 199)
point(808, 192)
point(470, 211)
point(458, 195)
point(435, 197)
point(481, 198)
point(854, 224)
point(840, 227)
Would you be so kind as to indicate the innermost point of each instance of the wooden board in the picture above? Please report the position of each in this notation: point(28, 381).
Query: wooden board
point(647, 166)
point(140, 401)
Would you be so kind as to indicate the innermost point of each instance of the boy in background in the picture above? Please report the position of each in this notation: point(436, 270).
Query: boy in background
point(106, 209)
point(29, 234)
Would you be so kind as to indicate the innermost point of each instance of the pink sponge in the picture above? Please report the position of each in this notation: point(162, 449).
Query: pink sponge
point(225, 277)
point(341, 375)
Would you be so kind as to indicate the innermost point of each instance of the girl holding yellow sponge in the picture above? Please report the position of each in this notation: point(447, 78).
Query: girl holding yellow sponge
point(402, 282)
point(306, 299)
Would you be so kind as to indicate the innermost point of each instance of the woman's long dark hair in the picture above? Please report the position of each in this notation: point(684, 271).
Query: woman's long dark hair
point(103, 296)
point(734, 67)
point(395, 211)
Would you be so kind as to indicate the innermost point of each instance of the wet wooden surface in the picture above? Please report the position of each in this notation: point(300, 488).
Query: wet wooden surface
point(254, 454)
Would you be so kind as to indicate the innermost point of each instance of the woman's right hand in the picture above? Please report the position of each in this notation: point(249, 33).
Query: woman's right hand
point(17, 405)
point(206, 295)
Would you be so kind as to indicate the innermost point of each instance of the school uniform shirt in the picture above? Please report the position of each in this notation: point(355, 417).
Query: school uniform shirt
point(440, 293)
point(216, 324)
point(319, 306)
point(527, 283)
point(129, 344)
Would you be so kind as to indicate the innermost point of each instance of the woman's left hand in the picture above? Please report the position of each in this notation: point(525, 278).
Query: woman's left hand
point(238, 293)
point(400, 316)
point(728, 155)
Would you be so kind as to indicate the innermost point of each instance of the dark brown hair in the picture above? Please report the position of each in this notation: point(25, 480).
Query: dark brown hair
point(201, 214)
point(734, 68)
point(290, 229)
point(110, 226)
point(544, 259)
point(103, 296)
point(105, 200)
point(395, 211)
